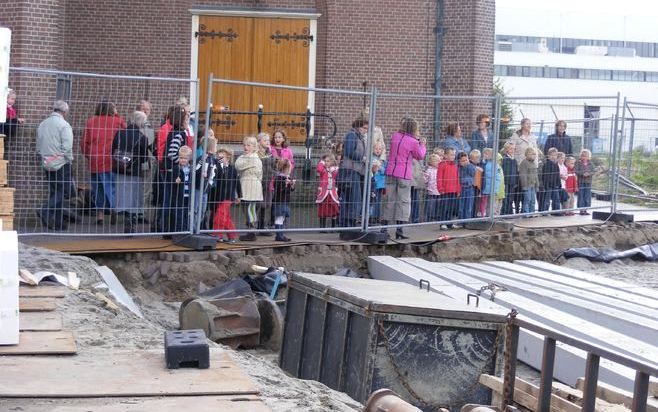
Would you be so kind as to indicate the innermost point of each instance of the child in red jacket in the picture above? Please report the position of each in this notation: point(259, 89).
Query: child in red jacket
point(448, 184)
point(571, 184)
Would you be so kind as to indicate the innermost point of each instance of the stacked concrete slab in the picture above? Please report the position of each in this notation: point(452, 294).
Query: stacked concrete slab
point(616, 315)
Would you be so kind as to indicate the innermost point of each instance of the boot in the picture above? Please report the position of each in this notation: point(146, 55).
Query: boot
point(383, 223)
point(248, 237)
point(129, 223)
point(323, 224)
point(334, 221)
point(399, 233)
point(280, 237)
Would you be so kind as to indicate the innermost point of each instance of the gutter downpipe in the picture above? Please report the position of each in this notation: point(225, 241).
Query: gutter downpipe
point(438, 59)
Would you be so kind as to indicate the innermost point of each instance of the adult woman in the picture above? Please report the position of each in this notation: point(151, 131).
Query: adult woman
point(559, 139)
point(96, 145)
point(455, 140)
point(350, 173)
point(405, 147)
point(523, 139)
point(129, 151)
point(480, 138)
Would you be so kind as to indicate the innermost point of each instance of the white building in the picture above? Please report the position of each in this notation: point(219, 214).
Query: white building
point(561, 50)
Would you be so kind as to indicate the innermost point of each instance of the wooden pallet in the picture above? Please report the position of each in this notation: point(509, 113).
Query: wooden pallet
point(42, 343)
point(42, 291)
point(2, 146)
point(37, 305)
point(40, 321)
point(7, 222)
point(120, 374)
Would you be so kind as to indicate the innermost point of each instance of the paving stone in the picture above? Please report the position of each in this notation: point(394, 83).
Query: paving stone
point(164, 268)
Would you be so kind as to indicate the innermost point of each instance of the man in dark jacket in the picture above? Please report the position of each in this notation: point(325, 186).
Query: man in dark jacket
point(351, 172)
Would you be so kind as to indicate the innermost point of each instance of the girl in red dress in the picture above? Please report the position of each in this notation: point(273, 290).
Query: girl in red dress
point(327, 199)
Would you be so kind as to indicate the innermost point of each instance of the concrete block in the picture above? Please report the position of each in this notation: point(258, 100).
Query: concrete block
point(178, 257)
point(613, 217)
point(298, 250)
point(164, 268)
point(186, 348)
point(235, 254)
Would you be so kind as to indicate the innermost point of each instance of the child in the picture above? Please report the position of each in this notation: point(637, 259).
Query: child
point(206, 170)
point(571, 183)
point(448, 186)
point(268, 161)
point(467, 193)
point(432, 195)
point(280, 149)
point(250, 168)
point(474, 158)
point(529, 180)
point(550, 176)
point(182, 175)
point(439, 152)
point(378, 184)
point(327, 198)
point(584, 171)
point(563, 179)
point(490, 167)
point(511, 178)
point(500, 194)
point(10, 127)
point(283, 187)
point(227, 191)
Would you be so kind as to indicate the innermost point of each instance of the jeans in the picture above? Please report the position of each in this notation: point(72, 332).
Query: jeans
point(376, 203)
point(349, 193)
point(102, 186)
point(584, 195)
point(60, 185)
point(448, 207)
point(415, 205)
point(432, 203)
point(529, 196)
point(466, 200)
point(510, 195)
point(203, 200)
point(552, 196)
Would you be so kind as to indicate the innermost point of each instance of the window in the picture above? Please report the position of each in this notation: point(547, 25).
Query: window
point(63, 87)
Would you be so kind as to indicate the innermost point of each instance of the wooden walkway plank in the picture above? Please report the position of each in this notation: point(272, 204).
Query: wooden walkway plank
point(240, 403)
point(39, 321)
point(119, 374)
point(42, 292)
point(41, 343)
point(37, 304)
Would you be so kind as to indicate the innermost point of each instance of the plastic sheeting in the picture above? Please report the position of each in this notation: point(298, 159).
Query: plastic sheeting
point(645, 252)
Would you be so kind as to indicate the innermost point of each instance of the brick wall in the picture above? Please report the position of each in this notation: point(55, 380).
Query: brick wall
point(388, 44)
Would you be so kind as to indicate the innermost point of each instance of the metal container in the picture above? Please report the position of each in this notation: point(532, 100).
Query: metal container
point(360, 335)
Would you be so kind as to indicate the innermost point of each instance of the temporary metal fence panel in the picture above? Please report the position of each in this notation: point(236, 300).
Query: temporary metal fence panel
point(637, 181)
point(564, 182)
point(314, 141)
point(324, 198)
point(89, 195)
point(411, 182)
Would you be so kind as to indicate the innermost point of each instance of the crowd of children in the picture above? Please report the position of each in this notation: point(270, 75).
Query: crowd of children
point(454, 182)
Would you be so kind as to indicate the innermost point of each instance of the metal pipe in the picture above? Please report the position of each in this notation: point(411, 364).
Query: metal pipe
point(387, 400)
point(494, 158)
point(619, 135)
point(95, 75)
point(438, 62)
point(629, 162)
point(365, 209)
point(288, 87)
point(197, 228)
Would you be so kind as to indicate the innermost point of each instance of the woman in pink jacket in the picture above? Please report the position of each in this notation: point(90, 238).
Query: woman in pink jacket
point(405, 147)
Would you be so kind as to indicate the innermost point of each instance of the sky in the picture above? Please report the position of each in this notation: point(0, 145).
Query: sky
point(630, 20)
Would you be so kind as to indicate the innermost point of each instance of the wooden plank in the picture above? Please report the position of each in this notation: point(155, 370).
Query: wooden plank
point(522, 398)
point(40, 321)
point(6, 200)
point(42, 343)
point(42, 292)
point(37, 305)
point(240, 403)
point(3, 172)
point(616, 395)
point(7, 222)
point(653, 389)
point(119, 374)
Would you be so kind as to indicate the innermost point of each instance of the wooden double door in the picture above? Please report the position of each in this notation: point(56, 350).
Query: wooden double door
point(266, 50)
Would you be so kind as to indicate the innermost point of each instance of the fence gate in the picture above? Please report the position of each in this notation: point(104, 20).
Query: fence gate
point(267, 50)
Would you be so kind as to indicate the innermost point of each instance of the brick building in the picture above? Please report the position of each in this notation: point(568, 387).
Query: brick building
point(356, 45)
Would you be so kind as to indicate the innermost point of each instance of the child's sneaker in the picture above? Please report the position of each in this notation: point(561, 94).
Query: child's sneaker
point(444, 227)
point(231, 241)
